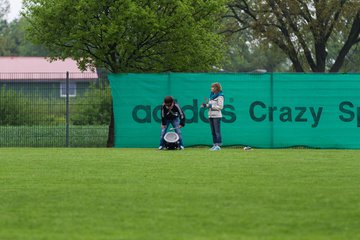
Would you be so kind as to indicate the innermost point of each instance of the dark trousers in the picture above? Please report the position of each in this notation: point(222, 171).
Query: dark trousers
point(215, 130)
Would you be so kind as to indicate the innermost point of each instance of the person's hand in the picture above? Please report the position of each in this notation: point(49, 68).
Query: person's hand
point(181, 126)
point(163, 126)
point(203, 105)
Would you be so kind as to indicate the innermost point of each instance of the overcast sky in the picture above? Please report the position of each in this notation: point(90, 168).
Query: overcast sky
point(15, 7)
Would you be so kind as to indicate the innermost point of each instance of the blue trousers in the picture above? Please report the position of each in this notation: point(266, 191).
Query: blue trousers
point(215, 130)
point(175, 123)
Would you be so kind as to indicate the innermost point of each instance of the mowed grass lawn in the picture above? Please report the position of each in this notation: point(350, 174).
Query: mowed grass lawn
point(192, 194)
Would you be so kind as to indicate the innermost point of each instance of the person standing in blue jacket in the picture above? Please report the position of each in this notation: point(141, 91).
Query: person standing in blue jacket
point(215, 105)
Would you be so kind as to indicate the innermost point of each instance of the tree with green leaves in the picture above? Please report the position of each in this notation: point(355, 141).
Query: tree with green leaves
point(129, 35)
point(246, 54)
point(4, 9)
point(14, 43)
point(12, 36)
point(303, 29)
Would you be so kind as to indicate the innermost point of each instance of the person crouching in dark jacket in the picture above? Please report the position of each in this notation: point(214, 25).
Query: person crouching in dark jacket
point(171, 113)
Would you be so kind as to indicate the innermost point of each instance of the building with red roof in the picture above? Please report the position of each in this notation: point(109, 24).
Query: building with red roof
point(48, 78)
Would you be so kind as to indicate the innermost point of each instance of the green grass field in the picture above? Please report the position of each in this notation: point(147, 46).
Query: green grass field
point(193, 194)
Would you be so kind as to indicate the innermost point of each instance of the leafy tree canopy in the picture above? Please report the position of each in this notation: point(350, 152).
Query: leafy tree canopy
point(130, 35)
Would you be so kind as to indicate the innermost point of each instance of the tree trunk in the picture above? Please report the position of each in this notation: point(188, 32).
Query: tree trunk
point(352, 40)
point(296, 63)
point(297, 66)
point(111, 134)
point(321, 55)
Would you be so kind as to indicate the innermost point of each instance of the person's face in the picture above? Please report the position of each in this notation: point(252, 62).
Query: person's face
point(168, 105)
point(213, 89)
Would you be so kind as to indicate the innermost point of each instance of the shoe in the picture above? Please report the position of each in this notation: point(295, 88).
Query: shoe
point(161, 148)
point(212, 148)
point(216, 148)
point(182, 147)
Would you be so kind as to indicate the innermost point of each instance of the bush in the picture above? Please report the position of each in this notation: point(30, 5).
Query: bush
point(14, 108)
point(93, 108)
point(18, 109)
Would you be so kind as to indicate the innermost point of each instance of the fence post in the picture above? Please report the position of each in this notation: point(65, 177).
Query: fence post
point(67, 109)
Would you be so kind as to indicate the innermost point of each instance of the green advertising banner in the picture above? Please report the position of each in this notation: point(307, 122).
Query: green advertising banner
point(261, 110)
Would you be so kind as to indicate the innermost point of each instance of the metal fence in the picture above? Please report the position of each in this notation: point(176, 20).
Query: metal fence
point(54, 109)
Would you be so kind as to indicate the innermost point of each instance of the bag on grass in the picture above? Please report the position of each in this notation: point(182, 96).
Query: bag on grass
point(172, 141)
